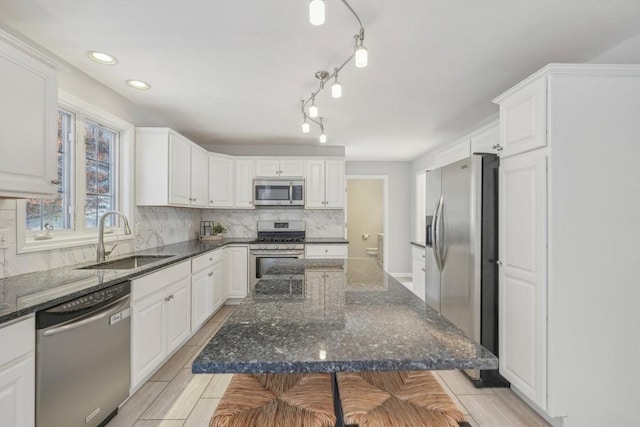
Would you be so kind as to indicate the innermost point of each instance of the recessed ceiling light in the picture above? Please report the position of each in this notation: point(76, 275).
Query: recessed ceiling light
point(138, 84)
point(101, 57)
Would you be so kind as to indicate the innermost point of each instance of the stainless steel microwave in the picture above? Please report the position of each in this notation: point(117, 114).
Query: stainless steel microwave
point(278, 192)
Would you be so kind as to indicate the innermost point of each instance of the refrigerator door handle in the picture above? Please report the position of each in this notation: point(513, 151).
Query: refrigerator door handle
point(435, 234)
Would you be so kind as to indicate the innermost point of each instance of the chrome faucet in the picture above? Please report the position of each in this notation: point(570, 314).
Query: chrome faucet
point(102, 253)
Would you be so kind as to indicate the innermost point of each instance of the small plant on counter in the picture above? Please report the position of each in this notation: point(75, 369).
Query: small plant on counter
point(218, 228)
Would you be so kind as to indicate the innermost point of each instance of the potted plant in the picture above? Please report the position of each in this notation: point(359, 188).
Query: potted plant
point(213, 231)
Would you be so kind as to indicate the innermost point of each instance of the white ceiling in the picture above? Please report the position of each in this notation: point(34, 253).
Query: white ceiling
point(234, 71)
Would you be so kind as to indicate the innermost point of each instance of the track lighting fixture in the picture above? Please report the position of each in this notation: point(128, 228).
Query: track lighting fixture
point(316, 12)
point(360, 56)
point(336, 87)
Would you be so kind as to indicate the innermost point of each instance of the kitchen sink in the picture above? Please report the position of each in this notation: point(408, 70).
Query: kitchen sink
point(126, 263)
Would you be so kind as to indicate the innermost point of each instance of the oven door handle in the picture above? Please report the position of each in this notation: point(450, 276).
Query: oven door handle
point(275, 253)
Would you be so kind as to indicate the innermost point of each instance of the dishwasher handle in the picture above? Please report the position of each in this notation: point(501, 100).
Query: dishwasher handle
point(102, 313)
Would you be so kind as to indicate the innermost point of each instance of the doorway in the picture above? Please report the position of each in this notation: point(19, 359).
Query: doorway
point(366, 213)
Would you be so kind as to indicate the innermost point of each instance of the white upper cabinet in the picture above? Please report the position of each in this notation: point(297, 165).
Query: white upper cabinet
point(324, 184)
point(244, 183)
point(170, 169)
point(28, 122)
point(486, 140)
point(280, 167)
point(523, 119)
point(220, 181)
point(199, 176)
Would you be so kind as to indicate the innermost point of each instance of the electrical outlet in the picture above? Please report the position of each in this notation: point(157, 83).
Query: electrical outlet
point(4, 238)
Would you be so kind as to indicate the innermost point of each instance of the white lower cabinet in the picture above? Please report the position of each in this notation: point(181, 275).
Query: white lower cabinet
point(206, 287)
point(236, 271)
point(160, 318)
point(418, 286)
point(334, 250)
point(17, 374)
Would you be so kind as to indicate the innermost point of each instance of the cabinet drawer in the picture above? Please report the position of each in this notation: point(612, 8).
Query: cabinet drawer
point(17, 339)
point(326, 251)
point(418, 253)
point(158, 279)
point(201, 262)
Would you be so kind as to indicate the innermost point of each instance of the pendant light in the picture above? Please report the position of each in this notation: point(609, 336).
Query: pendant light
point(305, 127)
point(316, 12)
point(323, 137)
point(361, 54)
point(313, 108)
point(336, 87)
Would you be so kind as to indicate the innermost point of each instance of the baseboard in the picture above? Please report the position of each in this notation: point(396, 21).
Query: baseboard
point(555, 422)
point(396, 275)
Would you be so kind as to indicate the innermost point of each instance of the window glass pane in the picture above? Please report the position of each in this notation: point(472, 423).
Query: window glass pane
point(56, 212)
point(100, 144)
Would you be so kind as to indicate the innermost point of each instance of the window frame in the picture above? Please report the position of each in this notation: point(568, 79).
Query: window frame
point(124, 183)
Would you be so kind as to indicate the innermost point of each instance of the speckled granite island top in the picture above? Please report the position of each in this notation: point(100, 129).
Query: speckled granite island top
point(336, 316)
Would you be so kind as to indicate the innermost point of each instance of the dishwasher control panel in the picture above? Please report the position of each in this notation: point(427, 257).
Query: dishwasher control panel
point(91, 299)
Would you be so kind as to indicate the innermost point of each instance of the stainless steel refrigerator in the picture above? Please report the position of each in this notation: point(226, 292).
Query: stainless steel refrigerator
point(462, 250)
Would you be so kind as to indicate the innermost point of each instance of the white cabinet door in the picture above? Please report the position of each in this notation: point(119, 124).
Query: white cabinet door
point(28, 124)
point(178, 313)
point(17, 373)
point(220, 181)
point(17, 392)
point(268, 167)
point(147, 336)
point(291, 167)
point(487, 140)
point(334, 184)
point(523, 119)
point(217, 286)
point(199, 176)
point(244, 183)
point(419, 285)
point(523, 286)
point(236, 271)
point(315, 184)
point(202, 297)
point(179, 170)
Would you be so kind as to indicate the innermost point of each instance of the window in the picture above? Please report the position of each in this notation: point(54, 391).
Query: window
point(95, 152)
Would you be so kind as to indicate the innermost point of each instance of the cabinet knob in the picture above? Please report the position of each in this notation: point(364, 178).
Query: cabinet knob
point(210, 274)
point(498, 262)
point(497, 147)
point(55, 181)
point(167, 299)
point(210, 201)
point(423, 269)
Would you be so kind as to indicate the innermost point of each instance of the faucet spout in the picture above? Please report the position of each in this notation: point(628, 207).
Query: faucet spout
point(101, 253)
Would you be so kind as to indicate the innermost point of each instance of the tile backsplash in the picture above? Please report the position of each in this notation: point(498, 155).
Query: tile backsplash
point(244, 222)
point(157, 226)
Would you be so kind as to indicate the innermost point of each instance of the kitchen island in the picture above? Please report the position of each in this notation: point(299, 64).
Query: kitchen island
point(336, 316)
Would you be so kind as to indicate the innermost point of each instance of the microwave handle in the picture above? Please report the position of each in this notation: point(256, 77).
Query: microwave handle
point(290, 192)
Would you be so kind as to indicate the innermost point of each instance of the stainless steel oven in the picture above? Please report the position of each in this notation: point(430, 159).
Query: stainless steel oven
point(276, 240)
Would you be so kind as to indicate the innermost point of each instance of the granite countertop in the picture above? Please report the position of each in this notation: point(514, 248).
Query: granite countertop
point(419, 244)
point(332, 316)
point(28, 293)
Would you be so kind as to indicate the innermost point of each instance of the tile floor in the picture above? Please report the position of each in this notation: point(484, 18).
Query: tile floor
point(174, 397)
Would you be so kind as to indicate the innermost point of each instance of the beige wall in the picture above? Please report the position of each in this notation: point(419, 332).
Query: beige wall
point(365, 211)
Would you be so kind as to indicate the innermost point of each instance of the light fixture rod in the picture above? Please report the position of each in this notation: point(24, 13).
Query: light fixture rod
point(354, 14)
point(330, 76)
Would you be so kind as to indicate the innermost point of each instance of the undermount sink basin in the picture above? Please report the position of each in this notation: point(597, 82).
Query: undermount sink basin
point(126, 263)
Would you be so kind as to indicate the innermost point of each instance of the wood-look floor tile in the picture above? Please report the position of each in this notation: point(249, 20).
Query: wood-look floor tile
point(204, 334)
point(217, 386)
point(202, 413)
point(129, 413)
point(159, 423)
point(517, 405)
point(170, 369)
point(491, 410)
point(178, 399)
point(450, 393)
point(459, 384)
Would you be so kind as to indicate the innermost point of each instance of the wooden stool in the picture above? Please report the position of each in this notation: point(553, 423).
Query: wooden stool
point(276, 400)
point(396, 398)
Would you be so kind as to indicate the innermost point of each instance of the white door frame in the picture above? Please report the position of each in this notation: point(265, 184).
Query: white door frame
point(385, 214)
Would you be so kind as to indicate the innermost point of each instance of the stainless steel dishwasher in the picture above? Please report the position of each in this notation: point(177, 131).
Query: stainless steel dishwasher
point(82, 359)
